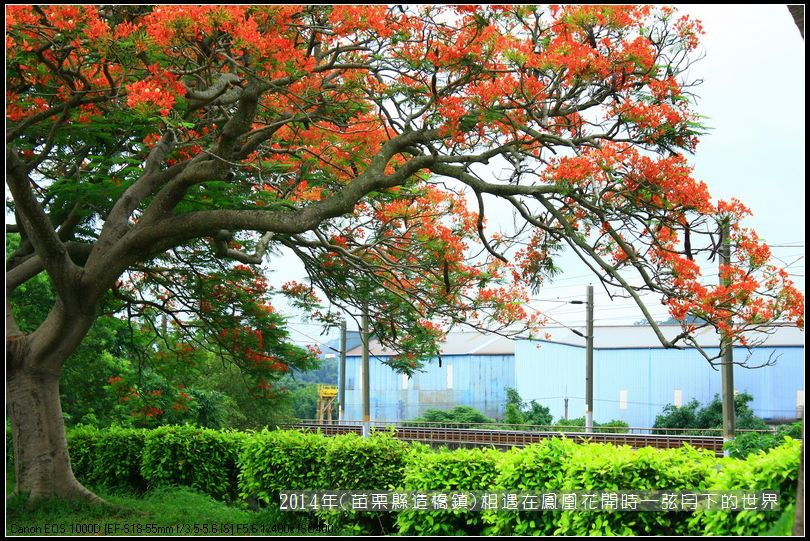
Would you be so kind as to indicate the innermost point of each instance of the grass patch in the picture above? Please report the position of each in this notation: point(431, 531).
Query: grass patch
point(163, 511)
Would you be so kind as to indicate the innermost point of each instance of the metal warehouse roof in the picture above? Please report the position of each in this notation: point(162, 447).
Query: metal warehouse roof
point(605, 337)
point(643, 336)
point(457, 343)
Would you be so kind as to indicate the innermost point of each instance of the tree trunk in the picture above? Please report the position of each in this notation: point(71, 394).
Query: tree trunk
point(41, 461)
point(797, 11)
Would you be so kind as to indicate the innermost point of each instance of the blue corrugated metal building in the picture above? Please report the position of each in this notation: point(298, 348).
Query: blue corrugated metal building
point(476, 369)
point(634, 377)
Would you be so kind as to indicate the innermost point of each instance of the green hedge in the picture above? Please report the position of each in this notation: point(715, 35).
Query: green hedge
point(536, 468)
point(459, 470)
point(777, 469)
point(271, 462)
point(747, 443)
point(610, 468)
point(356, 463)
point(353, 462)
point(109, 458)
point(199, 458)
point(228, 465)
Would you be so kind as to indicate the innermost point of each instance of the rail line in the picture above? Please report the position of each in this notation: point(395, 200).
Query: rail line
point(466, 437)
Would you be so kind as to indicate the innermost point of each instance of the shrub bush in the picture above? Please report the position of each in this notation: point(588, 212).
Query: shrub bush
point(536, 468)
point(356, 463)
point(109, 458)
point(603, 467)
point(199, 458)
point(451, 471)
point(82, 450)
point(578, 425)
point(458, 417)
point(271, 462)
point(353, 462)
point(747, 443)
point(560, 465)
point(613, 427)
point(778, 470)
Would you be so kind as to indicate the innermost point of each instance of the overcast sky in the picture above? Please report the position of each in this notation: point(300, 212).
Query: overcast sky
point(753, 98)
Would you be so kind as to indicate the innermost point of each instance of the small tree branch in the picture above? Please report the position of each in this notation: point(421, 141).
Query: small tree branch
point(41, 233)
point(221, 248)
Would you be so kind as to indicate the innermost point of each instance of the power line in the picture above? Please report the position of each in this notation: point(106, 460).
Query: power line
point(314, 339)
point(575, 331)
point(558, 299)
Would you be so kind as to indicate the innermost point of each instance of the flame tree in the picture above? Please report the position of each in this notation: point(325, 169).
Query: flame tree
point(155, 156)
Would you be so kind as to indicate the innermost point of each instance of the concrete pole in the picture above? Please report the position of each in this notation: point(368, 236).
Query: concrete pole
point(342, 378)
point(727, 348)
point(365, 373)
point(589, 361)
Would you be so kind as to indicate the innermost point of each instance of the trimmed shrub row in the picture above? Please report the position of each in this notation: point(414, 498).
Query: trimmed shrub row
point(256, 467)
point(135, 459)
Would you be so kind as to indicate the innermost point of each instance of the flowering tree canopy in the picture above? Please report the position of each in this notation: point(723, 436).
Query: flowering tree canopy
point(158, 154)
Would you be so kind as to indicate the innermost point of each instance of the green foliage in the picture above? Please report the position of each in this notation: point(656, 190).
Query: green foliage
point(459, 470)
point(304, 399)
point(612, 427)
point(536, 468)
point(513, 416)
point(778, 470)
point(109, 458)
point(783, 526)
point(271, 462)
point(196, 457)
point(458, 416)
point(356, 463)
point(519, 413)
point(751, 442)
point(353, 462)
point(128, 374)
point(692, 416)
point(578, 425)
point(605, 467)
point(712, 415)
point(158, 511)
point(792, 430)
point(678, 416)
point(325, 372)
point(240, 407)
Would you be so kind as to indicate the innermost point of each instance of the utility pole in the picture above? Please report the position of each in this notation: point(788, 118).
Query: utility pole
point(565, 405)
point(365, 375)
point(726, 345)
point(342, 382)
point(588, 336)
point(589, 361)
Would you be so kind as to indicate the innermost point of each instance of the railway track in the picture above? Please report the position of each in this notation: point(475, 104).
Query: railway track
point(466, 437)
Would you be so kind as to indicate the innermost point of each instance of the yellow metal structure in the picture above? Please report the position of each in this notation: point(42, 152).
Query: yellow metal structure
point(327, 396)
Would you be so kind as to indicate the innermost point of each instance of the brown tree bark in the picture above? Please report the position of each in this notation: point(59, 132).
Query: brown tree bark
point(41, 461)
point(797, 11)
point(33, 364)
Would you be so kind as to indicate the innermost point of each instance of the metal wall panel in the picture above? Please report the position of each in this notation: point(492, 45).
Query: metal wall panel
point(650, 377)
point(478, 381)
